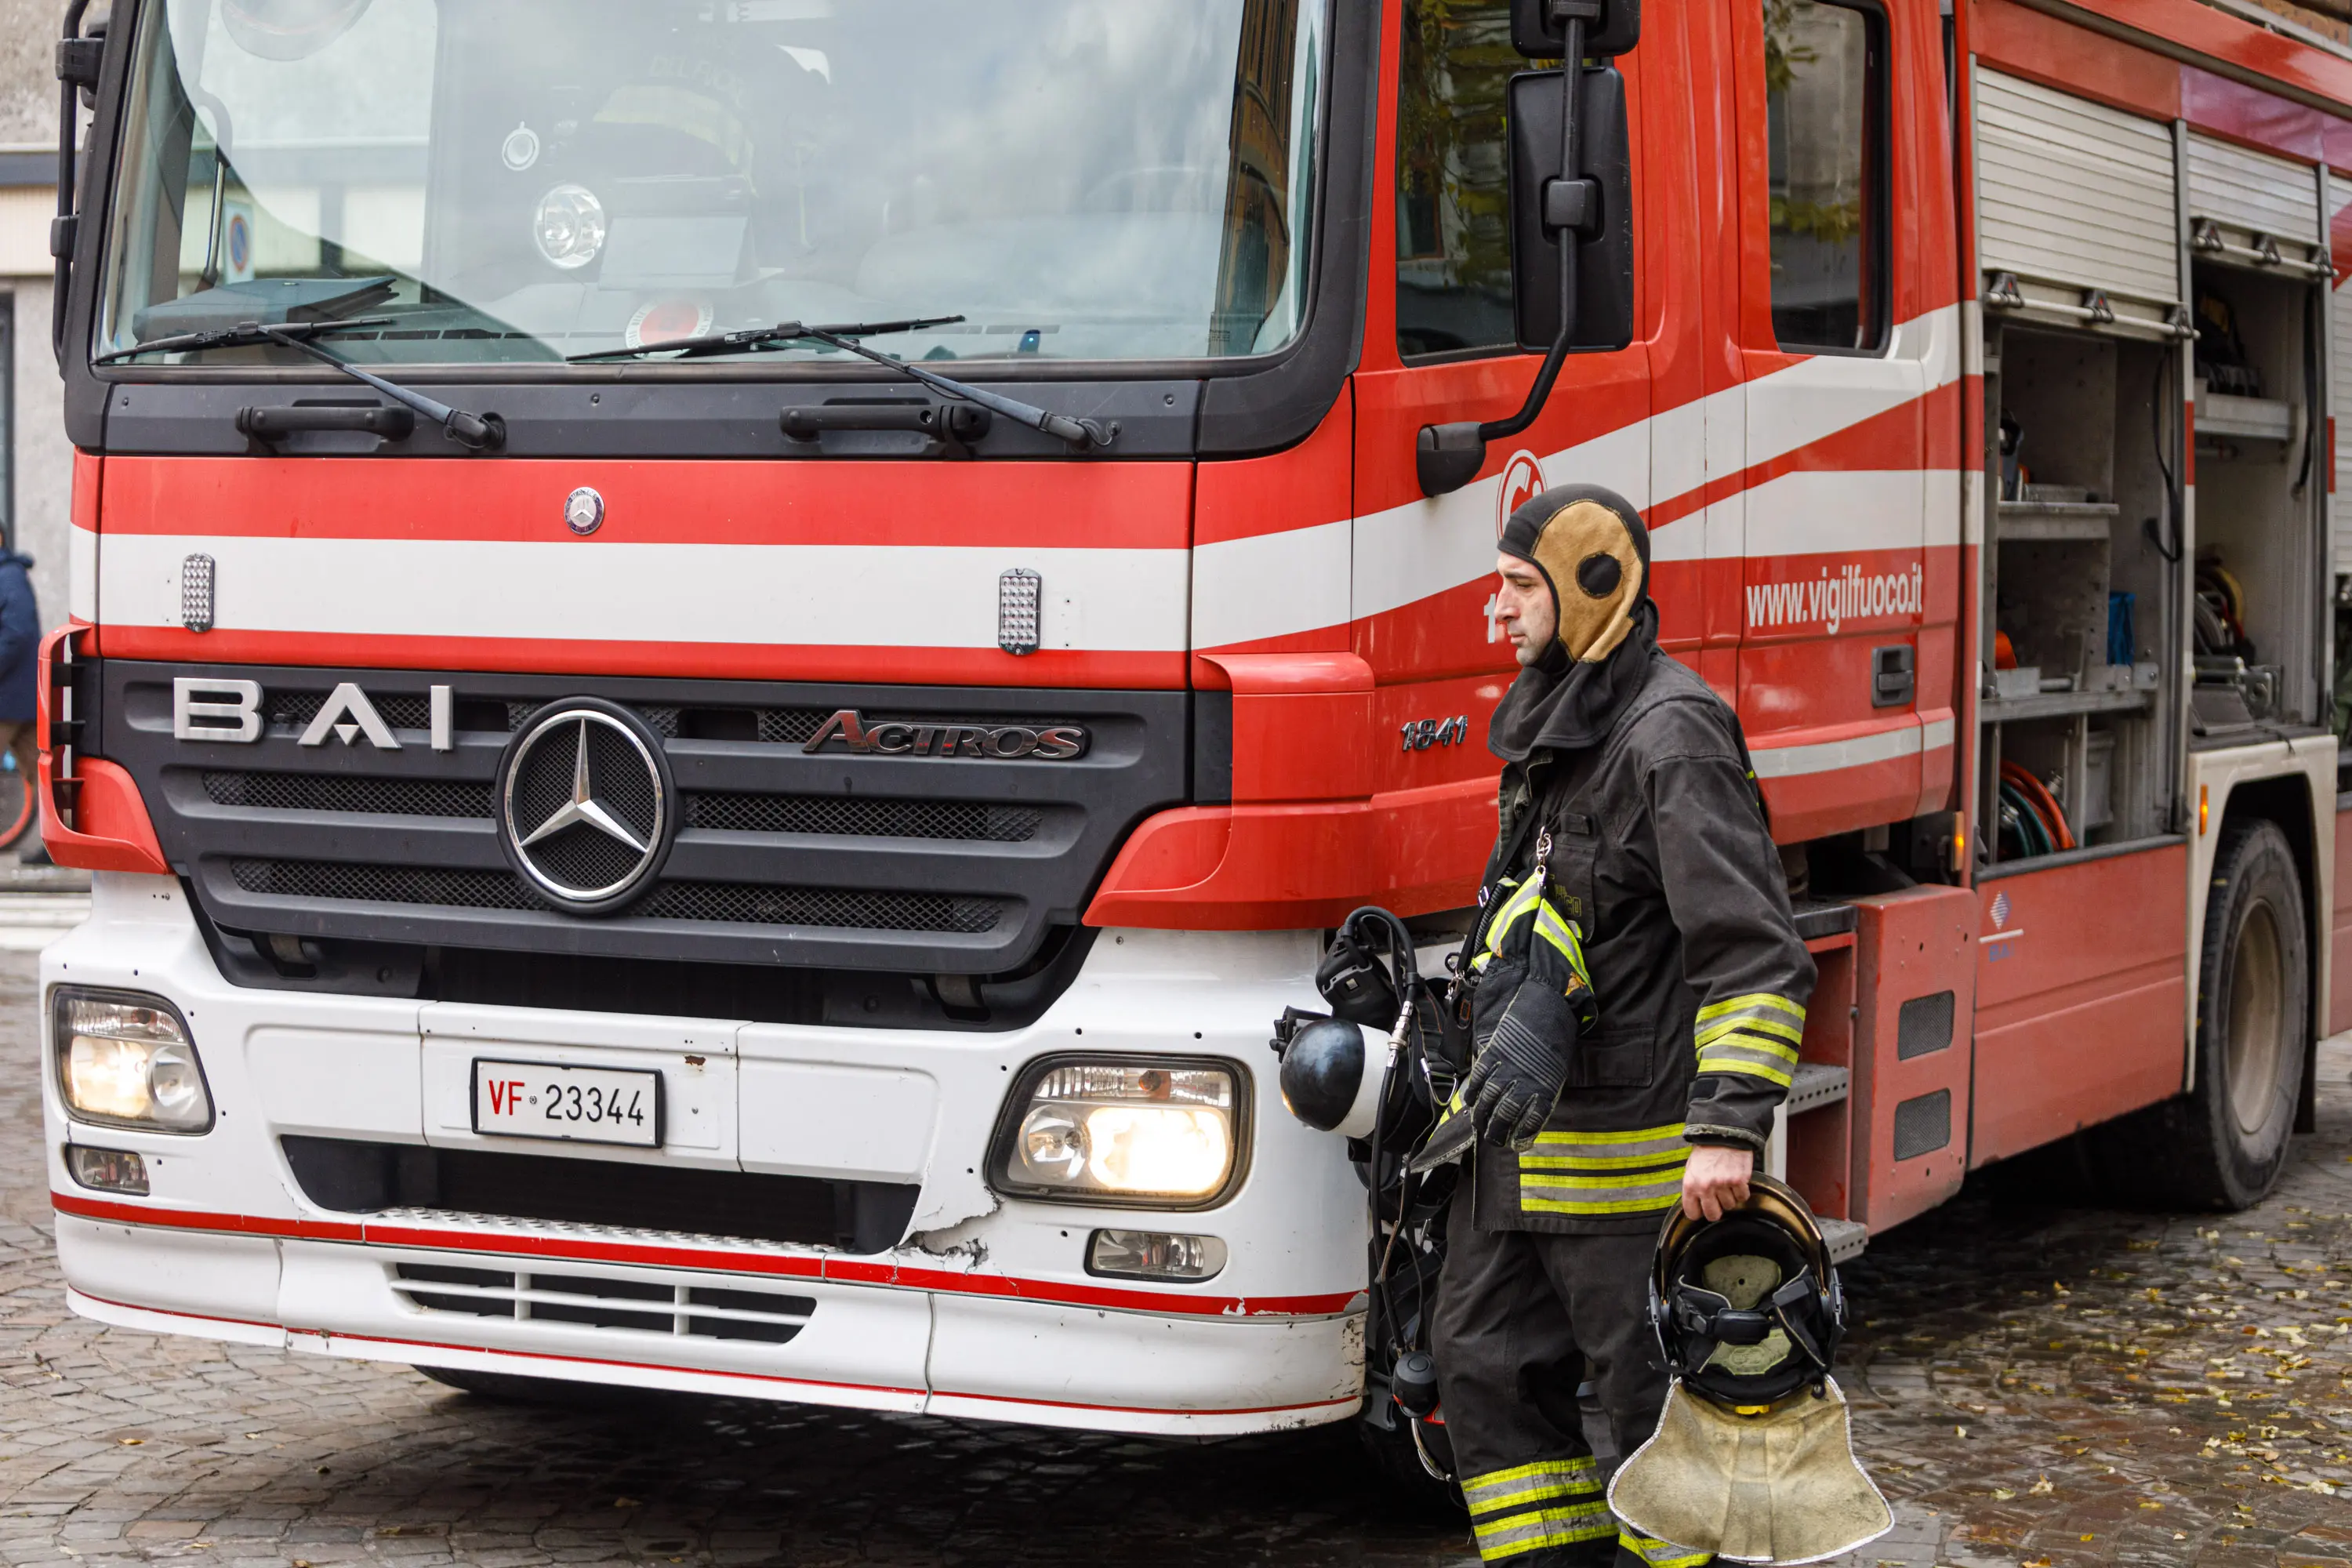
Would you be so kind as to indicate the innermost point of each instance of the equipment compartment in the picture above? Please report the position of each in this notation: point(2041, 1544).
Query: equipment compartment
point(2075, 690)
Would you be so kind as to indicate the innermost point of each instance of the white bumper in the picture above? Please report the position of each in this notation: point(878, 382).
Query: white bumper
point(987, 1311)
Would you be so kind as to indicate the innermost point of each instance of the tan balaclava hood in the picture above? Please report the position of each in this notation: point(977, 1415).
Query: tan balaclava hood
point(1593, 552)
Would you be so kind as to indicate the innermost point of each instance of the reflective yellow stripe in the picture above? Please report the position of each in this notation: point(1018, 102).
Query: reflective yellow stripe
point(1515, 1533)
point(1536, 1490)
point(1587, 1161)
point(1756, 1024)
point(1715, 1010)
point(1672, 1129)
point(1747, 1040)
point(1666, 1195)
point(1737, 1059)
point(1478, 1492)
point(1660, 1553)
point(1564, 1181)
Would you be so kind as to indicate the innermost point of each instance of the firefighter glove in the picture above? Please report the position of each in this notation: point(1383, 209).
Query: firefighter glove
point(1533, 999)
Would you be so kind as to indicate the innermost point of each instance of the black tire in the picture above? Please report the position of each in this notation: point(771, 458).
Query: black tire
point(2223, 1145)
point(1390, 1452)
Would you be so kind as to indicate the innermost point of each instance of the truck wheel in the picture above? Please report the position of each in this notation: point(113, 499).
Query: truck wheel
point(1403, 1478)
point(2253, 1024)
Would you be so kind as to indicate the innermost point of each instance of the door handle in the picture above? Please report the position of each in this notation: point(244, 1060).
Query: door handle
point(1892, 678)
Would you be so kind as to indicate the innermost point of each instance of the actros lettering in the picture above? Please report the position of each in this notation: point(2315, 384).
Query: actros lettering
point(909, 738)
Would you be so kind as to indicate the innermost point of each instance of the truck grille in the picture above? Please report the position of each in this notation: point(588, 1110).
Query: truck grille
point(836, 861)
point(821, 815)
point(352, 883)
point(602, 1301)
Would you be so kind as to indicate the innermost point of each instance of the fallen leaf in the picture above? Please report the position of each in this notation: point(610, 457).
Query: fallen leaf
point(2041, 1487)
point(2003, 1494)
point(626, 1502)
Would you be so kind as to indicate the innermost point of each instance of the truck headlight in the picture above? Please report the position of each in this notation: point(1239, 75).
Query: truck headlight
point(124, 1059)
point(1143, 1132)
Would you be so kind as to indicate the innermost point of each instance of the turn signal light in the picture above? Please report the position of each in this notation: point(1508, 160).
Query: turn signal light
point(1144, 1254)
point(108, 1170)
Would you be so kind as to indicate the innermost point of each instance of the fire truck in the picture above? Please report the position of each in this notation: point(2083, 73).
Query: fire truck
point(725, 654)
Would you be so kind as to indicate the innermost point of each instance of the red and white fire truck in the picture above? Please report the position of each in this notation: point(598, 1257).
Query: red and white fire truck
point(725, 654)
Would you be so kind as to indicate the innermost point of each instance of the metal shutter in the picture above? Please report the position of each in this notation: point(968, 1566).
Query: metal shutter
point(2339, 402)
point(2073, 196)
point(2251, 209)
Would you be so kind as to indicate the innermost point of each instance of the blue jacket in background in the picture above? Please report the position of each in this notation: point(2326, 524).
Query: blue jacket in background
point(20, 638)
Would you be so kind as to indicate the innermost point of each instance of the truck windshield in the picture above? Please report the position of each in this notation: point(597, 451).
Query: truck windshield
point(524, 180)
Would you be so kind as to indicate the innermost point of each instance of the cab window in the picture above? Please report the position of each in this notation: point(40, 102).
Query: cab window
point(1825, 112)
point(1453, 232)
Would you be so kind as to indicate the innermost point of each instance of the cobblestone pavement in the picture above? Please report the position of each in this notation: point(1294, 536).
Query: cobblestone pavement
point(2037, 1388)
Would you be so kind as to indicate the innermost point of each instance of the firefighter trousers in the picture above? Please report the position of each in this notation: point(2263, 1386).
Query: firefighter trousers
point(1522, 1319)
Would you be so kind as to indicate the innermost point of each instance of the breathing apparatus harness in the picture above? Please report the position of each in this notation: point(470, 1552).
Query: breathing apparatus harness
point(1383, 1101)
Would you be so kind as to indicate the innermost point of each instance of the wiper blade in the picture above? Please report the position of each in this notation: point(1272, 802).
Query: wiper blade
point(475, 432)
point(1081, 434)
point(245, 335)
point(760, 337)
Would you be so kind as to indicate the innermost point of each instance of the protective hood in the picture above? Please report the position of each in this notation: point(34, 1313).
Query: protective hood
point(1782, 1487)
point(1594, 552)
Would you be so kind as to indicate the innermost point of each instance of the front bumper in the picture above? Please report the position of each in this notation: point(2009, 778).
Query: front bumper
point(984, 1311)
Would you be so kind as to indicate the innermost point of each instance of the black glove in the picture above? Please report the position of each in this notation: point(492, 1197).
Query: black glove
point(1524, 1031)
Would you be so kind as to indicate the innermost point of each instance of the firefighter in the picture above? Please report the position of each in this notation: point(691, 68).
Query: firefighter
point(1627, 781)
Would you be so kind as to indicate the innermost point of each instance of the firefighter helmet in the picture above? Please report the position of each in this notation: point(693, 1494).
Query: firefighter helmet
point(1748, 1308)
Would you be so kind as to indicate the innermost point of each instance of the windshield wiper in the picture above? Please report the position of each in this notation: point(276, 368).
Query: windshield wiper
point(1081, 434)
point(475, 432)
point(245, 335)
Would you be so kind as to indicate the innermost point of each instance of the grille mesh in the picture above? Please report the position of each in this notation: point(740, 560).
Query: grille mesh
point(818, 815)
point(864, 819)
point(720, 902)
point(382, 884)
point(401, 713)
point(731, 903)
point(349, 793)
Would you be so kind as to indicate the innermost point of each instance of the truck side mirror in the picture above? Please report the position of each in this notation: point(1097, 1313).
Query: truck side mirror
point(1595, 211)
point(1571, 177)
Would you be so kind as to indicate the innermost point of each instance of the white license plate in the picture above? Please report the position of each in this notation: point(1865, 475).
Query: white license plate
point(579, 1105)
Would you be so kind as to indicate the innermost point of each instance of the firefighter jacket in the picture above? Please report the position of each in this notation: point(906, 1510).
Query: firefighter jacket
point(1660, 856)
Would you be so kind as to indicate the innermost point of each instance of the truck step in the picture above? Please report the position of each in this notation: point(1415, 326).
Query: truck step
point(1815, 1085)
point(1847, 1238)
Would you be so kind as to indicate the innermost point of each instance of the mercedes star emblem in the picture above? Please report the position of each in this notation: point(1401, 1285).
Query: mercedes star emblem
point(584, 512)
point(583, 805)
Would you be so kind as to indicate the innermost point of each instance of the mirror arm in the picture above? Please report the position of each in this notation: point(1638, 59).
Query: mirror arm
point(1447, 456)
point(78, 60)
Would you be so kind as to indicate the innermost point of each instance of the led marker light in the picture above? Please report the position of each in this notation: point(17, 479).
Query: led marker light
point(1151, 1133)
point(124, 1059)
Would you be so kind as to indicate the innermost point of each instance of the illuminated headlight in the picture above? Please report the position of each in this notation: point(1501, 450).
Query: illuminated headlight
point(124, 1059)
point(1150, 1134)
point(569, 225)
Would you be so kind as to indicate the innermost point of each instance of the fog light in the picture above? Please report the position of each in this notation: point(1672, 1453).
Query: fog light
point(1144, 1254)
point(108, 1170)
point(1104, 1130)
point(569, 227)
point(124, 1059)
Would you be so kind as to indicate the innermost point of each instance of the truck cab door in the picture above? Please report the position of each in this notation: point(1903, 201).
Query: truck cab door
point(1441, 344)
point(1840, 352)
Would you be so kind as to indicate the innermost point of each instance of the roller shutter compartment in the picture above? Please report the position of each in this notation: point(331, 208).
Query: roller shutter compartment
point(2339, 401)
point(2076, 212)
point(2254, 209)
